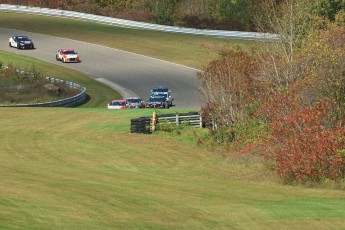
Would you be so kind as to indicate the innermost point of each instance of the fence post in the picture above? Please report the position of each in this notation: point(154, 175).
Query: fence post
point(177, 120)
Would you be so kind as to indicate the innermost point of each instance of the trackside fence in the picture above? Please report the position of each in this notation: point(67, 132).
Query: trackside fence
point(146, 125)
point(193, 119)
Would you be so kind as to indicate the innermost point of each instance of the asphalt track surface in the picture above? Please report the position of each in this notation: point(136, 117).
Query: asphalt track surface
point(128, 73)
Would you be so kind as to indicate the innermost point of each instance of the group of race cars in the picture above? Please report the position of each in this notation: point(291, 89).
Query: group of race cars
point(160, 98)
point(63, 54)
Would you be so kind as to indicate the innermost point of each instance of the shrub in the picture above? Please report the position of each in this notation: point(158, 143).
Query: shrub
point(307, 149)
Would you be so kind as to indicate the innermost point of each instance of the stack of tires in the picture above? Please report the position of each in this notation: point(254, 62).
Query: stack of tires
point(141, 125)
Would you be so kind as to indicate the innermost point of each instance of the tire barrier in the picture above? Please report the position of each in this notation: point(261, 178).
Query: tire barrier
point(141, 125)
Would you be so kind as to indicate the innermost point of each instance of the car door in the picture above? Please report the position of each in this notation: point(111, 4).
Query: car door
point(14, 42)
point(59, 54)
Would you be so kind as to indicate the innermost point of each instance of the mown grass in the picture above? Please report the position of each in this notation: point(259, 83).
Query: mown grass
point(189, 50)
point(80, 168)
point(98, 94)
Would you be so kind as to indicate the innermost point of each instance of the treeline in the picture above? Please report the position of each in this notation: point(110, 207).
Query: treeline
point(285, 100)
point(210, 14)
point(204, 14)
point(213, 14)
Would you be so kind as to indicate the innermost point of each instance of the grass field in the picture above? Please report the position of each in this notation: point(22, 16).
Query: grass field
point(98, 94)
point(80, 168)
point(189, 50)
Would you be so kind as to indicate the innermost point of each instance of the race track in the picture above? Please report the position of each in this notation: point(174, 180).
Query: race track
point(128, 73)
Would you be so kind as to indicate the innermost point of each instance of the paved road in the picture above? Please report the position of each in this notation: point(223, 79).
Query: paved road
point(128, 73)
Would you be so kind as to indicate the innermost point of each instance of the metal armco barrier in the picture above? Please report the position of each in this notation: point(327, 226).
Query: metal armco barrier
point(135, 24)
point(68, 102)
point(193, 119)
point(145, 125)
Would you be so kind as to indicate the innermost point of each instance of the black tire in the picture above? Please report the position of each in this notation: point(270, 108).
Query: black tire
point(9, 44)
point(63, 60)
point(18, 46)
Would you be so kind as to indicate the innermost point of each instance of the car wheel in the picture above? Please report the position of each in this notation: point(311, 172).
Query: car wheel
point(18, 47)
point(63, 60)
point(9, 44)
point(57, 57)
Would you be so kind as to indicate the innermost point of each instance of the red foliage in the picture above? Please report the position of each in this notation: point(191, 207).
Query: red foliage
point(229, 84)
point(307, 149)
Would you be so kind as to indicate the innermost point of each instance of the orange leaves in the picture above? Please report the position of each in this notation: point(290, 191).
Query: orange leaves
point(308, 149)
point(229, 84)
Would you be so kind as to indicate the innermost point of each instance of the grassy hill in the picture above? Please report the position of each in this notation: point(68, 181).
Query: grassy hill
point(80, 168)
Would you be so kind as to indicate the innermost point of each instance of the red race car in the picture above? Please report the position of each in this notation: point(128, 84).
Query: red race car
point(117, 104)
point(67, 55)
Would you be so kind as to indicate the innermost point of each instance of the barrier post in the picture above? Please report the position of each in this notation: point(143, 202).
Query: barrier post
point(154, 121)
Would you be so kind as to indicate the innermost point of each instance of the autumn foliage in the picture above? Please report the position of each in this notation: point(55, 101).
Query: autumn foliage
point(229, 84)
point(222, 14)
point(306, 149)
point(295, 90)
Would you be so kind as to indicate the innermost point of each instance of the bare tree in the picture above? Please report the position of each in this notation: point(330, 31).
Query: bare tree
point(290, 20)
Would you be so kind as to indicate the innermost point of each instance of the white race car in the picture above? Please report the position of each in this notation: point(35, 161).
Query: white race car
point(21, 42)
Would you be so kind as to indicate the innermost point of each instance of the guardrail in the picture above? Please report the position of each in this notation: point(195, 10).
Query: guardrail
point(192, 119)
point(147, 125)
point(68, 102)
point(135, 24)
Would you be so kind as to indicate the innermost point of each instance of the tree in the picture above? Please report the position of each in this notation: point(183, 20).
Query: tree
point(290, 20)
point(323, 59)
point(229, 85)
point(328, 8)
point(240, 11)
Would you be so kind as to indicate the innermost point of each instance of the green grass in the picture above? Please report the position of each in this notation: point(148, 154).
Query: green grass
point(98, 94)
point(189, 50)
point(80, 168)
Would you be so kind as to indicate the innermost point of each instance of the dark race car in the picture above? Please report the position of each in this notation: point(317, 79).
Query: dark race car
point(158, 102)
point(162, 91)
point(21, 42)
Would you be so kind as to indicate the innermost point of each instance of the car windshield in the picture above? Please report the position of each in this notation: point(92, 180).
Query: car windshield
point(118, 103)
point(69, 52)
point(157, 99)
point(23, 39)
point(160, 90)
point(133, 100)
